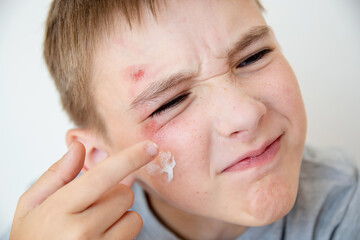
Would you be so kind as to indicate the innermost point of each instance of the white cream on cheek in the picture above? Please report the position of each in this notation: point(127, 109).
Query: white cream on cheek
point(166, 165)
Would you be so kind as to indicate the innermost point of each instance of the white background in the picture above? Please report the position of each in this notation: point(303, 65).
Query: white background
point(320, 38)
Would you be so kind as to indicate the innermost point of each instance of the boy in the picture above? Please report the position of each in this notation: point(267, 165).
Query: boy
point(206, 81)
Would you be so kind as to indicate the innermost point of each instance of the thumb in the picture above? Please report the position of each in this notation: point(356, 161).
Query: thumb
point(58, 175)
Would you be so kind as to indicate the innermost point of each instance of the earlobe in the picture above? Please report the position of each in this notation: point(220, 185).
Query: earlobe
point(94, 145)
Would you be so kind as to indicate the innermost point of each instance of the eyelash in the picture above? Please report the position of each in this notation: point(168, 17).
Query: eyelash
point(172, 103)
point(253, 58)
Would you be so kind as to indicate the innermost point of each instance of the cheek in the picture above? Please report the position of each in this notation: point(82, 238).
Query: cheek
point(149, 129)
point(179, 133)
point(184, 139)
point(281, 91)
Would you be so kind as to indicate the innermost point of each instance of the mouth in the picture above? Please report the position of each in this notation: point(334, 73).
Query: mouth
point(257, 157)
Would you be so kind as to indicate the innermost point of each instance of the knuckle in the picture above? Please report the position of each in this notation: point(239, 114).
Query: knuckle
point(25, 198)
point(22, 199)
point(131, 228)
point(137, 219)
point(128, 194)
point(53, 172)
point(80, 232)
point(50, 213)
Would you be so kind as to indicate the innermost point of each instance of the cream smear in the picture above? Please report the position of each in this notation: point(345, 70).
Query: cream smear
point(167, 164)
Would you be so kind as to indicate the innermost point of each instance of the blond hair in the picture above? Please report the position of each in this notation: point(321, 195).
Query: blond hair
point(73, 30)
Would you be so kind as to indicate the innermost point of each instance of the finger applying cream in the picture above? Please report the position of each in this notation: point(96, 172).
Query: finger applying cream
point(165, 164)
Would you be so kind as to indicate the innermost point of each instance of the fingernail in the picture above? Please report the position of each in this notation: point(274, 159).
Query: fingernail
point(151, 148)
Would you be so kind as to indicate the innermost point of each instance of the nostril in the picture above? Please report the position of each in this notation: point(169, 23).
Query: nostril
point(234, 134)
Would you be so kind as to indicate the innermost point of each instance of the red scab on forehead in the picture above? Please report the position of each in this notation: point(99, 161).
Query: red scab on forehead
point(135, 72)
point(138, 75)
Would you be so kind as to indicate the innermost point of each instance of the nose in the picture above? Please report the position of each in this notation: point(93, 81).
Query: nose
point(238, 114)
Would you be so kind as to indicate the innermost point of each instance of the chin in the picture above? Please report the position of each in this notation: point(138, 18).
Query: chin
point(271, 202)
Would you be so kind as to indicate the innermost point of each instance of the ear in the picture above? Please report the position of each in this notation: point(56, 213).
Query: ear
point(96, 149)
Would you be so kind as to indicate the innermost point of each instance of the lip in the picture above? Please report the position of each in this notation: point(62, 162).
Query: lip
point(256, 157)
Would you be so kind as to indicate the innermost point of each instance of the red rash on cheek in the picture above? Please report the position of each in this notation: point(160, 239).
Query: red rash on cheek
point(158, 131)
point(149, 129)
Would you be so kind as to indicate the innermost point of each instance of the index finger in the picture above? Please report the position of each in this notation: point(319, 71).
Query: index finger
point(86, 189)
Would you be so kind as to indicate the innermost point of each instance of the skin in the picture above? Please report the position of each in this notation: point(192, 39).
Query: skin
point(230, 111)
point(98, 212)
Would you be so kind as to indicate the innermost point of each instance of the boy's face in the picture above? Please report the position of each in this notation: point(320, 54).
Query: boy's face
point(234, 93)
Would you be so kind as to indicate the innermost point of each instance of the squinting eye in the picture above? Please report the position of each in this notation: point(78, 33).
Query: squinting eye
point(254, 58)
point(170, 104)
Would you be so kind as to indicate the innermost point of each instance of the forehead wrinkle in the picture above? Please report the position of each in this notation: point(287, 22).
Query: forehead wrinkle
point(155, 89)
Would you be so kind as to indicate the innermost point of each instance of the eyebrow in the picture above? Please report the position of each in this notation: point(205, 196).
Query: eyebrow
point(155, 89)
point(255, 34)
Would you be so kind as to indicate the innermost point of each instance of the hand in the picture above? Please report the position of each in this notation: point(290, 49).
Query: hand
point(92, 206)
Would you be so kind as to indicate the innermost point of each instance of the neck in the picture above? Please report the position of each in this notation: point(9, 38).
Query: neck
point(190, 226)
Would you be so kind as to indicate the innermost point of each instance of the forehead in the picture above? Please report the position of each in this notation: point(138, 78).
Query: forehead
point(187, 35)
